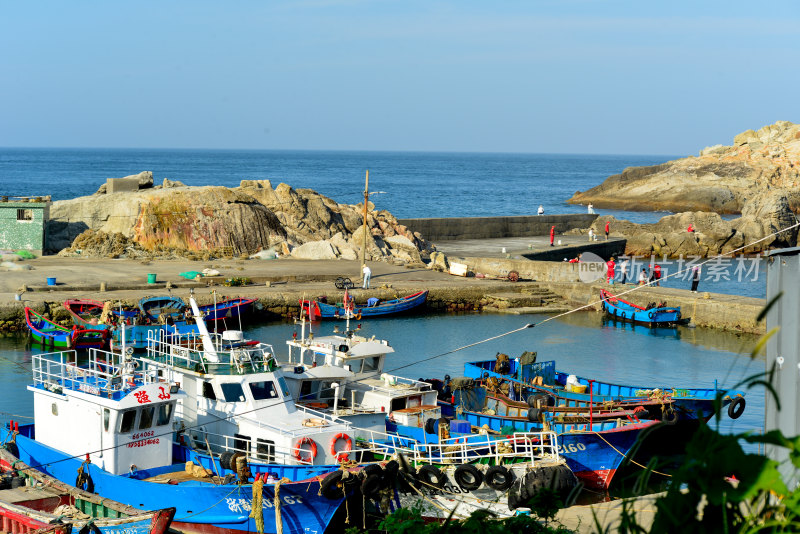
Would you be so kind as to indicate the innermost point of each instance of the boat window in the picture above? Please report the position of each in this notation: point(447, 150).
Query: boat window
point(106, 418)
point(208, 391)
point(265, 450)
point(164, 413)
point(370, 364)
point(241, 443)
point(146, 419)
point(232, 392)
point(126, 421)
point(398, 404)
point(263, 390)
point(284, 386)
point(327, 391)
point(308, 389)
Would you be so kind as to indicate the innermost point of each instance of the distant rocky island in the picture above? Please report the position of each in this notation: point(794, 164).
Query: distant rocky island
point(758, 177)
point(175, 220)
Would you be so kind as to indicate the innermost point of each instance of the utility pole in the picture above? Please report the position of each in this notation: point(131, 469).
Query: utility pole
point(364, 248)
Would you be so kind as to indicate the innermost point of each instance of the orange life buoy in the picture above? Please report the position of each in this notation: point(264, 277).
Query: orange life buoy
point(298, 451)
point(341, 456)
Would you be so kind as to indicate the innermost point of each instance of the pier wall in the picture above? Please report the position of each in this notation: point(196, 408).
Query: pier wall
point(455, 228)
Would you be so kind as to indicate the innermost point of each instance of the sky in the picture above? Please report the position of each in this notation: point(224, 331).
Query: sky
point(565, 76)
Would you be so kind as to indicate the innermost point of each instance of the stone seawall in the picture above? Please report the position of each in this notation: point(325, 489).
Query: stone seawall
point(446, 229)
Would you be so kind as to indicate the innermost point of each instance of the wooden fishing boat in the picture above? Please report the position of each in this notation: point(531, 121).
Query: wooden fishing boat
point(622, 310)
point(85, 313)
point(319, 309)
point(226, 309)
point(688, 404)
point(49, 334)
point(31, 501)
point(159, 309)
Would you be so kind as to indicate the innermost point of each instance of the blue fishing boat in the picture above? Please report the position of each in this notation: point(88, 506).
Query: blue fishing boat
point(653, 315)
point(573, 390)
point(321, 309)
point(226, 309)
point(112, 423)
point(162, 308)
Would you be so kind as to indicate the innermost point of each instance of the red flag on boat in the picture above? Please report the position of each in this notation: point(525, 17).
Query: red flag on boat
point(347, 304)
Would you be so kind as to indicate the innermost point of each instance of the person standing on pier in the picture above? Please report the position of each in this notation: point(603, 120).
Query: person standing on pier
point(590, 209)
point(591, 234)
point(657, 274)
point(695, 278)
point(607, 228)
point(610, 265)
point(540, 211)
point(552, 233)
point(367, 275)
point(623, 269)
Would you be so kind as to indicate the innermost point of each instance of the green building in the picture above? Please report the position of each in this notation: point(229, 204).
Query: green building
point(22, 223)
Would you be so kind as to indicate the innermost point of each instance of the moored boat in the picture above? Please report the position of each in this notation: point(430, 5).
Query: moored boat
point(121, 420)
point(50, 334)
point(33, 500)
point(226, 309)
point(320, 309)
point(653, 315)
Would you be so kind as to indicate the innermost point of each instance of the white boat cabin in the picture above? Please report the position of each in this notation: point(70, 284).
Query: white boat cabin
point(344, 375)
point(237, 399)
point(118, 416)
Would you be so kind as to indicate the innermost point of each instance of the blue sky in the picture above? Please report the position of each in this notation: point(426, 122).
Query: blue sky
point(564, 76)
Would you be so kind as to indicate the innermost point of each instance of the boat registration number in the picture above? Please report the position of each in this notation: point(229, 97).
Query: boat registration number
point(572, 447)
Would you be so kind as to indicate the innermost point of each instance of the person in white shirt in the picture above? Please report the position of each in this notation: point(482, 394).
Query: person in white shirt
point(541, 210)
point(590, 209)
point(367, 274)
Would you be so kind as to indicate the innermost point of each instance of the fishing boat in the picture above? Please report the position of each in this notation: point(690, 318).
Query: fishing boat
point(226, 309)
point(112, 421)
point(162, 309)
point(31, 500)
point(688, 404)
point(50, 334)
point(320, 309)
point(88, 313)
point(653, 315)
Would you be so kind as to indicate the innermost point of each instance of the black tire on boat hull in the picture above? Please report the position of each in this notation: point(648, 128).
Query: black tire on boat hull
point(559, 478)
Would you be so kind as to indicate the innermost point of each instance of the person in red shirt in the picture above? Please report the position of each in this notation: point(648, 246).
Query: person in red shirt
point(610, 265)
point(657, 274)
point(690, 229)
point(552, 235)
point(607, 230)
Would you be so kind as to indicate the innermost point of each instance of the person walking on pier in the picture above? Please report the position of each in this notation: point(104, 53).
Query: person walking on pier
point(552, 235)
point(607, 228)
point(695, 278)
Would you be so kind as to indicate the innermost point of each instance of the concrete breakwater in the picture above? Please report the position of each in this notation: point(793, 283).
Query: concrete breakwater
point(455, 228)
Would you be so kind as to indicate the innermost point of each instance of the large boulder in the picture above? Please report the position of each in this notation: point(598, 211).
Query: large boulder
point(721, 178)
point(315, 250)
point(145, 181)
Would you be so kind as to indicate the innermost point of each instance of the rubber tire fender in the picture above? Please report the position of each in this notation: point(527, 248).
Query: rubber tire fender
point(372, 485)
point(468, 477)
point(499, 478)
point(534, 415)
point(225, 460)
point(329, 487)
point(432, 476)
point(430, 426)
point(669, 416)
point(651, 315)
point(734, 410)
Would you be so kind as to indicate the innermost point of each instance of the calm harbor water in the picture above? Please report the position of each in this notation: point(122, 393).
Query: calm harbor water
point(582, 343)
point(408, 184)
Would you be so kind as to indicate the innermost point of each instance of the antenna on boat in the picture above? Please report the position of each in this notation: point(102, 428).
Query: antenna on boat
point(209, 352)
point(214, 292)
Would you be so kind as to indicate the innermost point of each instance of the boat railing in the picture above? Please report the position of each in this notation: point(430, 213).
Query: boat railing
point(101, 374)
point(186, 351)
point(464, 450)
point(391, 383)
point(269, 452)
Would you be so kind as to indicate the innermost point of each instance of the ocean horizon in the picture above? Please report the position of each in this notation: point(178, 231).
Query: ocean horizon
point(407, 184)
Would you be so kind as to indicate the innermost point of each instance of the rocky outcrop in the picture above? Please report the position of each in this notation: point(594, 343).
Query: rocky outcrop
point(145, 181)
point(719, 179)
point(174, 218)
point(751, 233)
